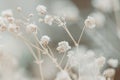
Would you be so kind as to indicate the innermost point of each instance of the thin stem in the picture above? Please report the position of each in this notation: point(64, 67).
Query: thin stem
point(38, 41)
point(40, 70)
point(50, 51)
point(30, 43)
point(50, 55)
point(81, 34)
point(62, 58)
point(54, 61)
point(66, 29)
point(66, 65)
point(40, 64)
point(31, 50)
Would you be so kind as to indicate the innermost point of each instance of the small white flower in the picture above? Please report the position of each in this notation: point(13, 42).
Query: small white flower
point(41, 9)
point(109, 72)
point(113, 63)
point(7, 13)
point(13, 28)
point(63, 75)
point(100, 61)
point(31, 28)
point(60, 21)
point(48, 19)
point(90, 22)
point(10, 19)
point(19, 9)
point(63, 46)
point(3, 27)
point(30, 15)
point(99, 18)
point(44, 40)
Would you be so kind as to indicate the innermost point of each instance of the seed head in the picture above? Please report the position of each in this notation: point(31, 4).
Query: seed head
point(109, 72)
point(113, 63)
point(48, 19)
point(13, 28)
point(90, 22)
point(31, 28)
point(45, 40)
point(41, 9)
point(63, 46)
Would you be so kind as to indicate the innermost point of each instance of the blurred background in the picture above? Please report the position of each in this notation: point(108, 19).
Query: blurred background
point(104, 39)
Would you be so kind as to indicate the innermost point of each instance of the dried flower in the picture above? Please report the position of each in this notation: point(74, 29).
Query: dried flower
point(13, 28)
point(31, 28)
point(63, 46)
point(109, 72)
point(41, 9)
point(63, 75)
point(7, 13)
point(100, 61)
point(99, 18)
point(10, 19)
point(90, 22)
point(44, 40)
point(19, 9)
point(48, 19)
point(60, 20)
point(30, 15)
point(3, 27)
point(113, 63)
point(41, 20)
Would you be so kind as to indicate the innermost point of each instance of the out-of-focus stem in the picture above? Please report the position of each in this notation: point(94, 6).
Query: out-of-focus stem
point(40, 64)
point(81, 34)
point(62, 58)
point(66, 29)
point(54, 61)
point(50, 51)
point(30, 43)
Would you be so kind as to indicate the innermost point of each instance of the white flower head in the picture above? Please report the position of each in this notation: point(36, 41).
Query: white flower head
point(100, 61)
point(63, 75)
point(44, 40)
point(13, 28)
point(63, 46)
point(90, 22)
point(31, 28)
point(3, 27)
point(113, 63)
point(48, 19)
point(60, 20)
point(99, 18)
point(11, 19)
point(19, 9)
point(30, 15)
point(109, 72)
point(7, 13)
point(41, 9)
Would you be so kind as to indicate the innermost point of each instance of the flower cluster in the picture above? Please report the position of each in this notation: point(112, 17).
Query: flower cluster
point(63, 46)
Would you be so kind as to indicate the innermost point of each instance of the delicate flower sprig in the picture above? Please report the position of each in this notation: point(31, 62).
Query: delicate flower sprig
point(41, 9)
point(63, 46)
